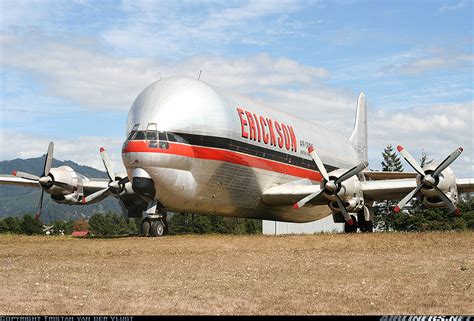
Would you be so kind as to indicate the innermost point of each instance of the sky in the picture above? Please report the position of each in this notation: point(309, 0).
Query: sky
point(70, 70)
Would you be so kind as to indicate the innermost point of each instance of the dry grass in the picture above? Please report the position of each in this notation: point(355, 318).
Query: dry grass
point(426, 273)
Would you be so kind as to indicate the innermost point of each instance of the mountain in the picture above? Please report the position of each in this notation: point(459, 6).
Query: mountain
point(18, 200)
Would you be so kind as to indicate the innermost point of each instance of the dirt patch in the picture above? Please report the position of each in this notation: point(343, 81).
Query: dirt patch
point(399, 273)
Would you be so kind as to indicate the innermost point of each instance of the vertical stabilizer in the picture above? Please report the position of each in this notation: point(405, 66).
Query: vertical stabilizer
point(359, 134)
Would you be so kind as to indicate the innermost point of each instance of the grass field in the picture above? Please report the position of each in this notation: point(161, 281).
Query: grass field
point(394, 273)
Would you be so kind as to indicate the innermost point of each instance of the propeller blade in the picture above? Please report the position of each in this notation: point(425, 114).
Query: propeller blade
point(40, 206)
point(93, 196)
point(108, 166)
point(456, 211)
point(406, 199)
point(353, 171)
point(318, 162)
point(49, 159)
point(124, 181)
point(124, 208)
point(347, 217)
point(410, 160)
point(305, 200)
point(24, 175)
point(451, 158)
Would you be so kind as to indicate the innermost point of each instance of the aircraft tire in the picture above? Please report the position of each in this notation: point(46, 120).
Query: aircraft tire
point(157, 228)
point(351, 228)
point(145, 227)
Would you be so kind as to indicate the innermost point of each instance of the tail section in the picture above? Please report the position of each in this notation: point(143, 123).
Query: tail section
point(359, 134)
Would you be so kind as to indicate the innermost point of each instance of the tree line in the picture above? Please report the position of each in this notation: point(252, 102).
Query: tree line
point(110, 224)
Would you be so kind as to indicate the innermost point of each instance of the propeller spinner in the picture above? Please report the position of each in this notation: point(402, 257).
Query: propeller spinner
point(330, 185)
point(429, 179)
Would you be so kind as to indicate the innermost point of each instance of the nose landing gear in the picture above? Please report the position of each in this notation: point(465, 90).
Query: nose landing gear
point(154, 223)
point(154, 226)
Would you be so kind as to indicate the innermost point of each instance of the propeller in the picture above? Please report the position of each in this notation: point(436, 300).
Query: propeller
point(331, 186)
point(46, 180)
point(429, 179)
point(115, 185)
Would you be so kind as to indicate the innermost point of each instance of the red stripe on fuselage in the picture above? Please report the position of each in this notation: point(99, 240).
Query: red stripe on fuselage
point(218, 154)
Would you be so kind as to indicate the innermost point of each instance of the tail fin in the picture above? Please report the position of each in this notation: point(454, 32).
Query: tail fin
point(359, 134)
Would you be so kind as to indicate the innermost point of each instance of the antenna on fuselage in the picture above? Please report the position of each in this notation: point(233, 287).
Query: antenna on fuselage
point(200, 72)
point(161, 78)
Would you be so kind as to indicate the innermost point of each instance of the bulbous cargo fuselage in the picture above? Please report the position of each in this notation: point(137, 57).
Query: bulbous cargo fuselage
point(208, 151)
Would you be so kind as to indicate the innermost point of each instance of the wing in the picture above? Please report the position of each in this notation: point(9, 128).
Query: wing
point(292, 192)
point(376, 190)
point(18, 181)
point(89, 185)
point(465, 185)
point(388, 175)
point(93, 185)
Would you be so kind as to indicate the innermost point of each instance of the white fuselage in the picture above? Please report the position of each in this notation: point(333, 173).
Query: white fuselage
point(216, 152)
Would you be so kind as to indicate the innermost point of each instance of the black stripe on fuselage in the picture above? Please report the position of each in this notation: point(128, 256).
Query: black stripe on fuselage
point(249, 149)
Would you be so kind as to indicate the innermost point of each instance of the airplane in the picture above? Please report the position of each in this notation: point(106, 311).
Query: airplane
point(192, 147)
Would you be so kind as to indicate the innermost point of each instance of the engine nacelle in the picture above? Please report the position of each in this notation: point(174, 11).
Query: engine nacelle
point(72, 192)
point(446, 182)
point(350, 193)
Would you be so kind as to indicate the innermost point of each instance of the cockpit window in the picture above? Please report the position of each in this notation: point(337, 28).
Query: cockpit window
point(151, 135)
point(140, 135)
point(162, 136)
point(132, 132)
point(171, 137)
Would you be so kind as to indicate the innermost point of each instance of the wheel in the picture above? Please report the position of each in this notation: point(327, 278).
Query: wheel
point(368, 227)
point(157, 228)
point(145, 227)
point(351, 228)
point(362, 224)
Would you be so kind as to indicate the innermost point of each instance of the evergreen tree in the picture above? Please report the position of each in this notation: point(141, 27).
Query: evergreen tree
point(3, 226)
point(97, 223)
point(29, 225)
point(12, 225)
point(383, 211)
point(65, 226)
point(391, 162)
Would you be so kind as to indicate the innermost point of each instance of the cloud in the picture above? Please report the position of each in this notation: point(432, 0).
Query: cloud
point(431, 63)
point(446, 7)
point(98, 80)
point(158, 29)
point(437, 129)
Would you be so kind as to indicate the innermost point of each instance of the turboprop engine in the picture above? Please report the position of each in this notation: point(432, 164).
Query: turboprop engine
point(437, 183)
point(63, 183)
point(341, 188)
point(445, 181)
point(349, 192)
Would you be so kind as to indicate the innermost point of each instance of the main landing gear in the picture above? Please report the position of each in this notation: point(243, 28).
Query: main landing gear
point(363, 222)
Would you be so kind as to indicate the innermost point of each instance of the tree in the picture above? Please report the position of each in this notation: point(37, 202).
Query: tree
point(12, 225)
point(3, 226)
point(65, 226)
point(29, 225)
point(391, 162)
point(97, 223)
point(108, 224)
point(383, 211)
